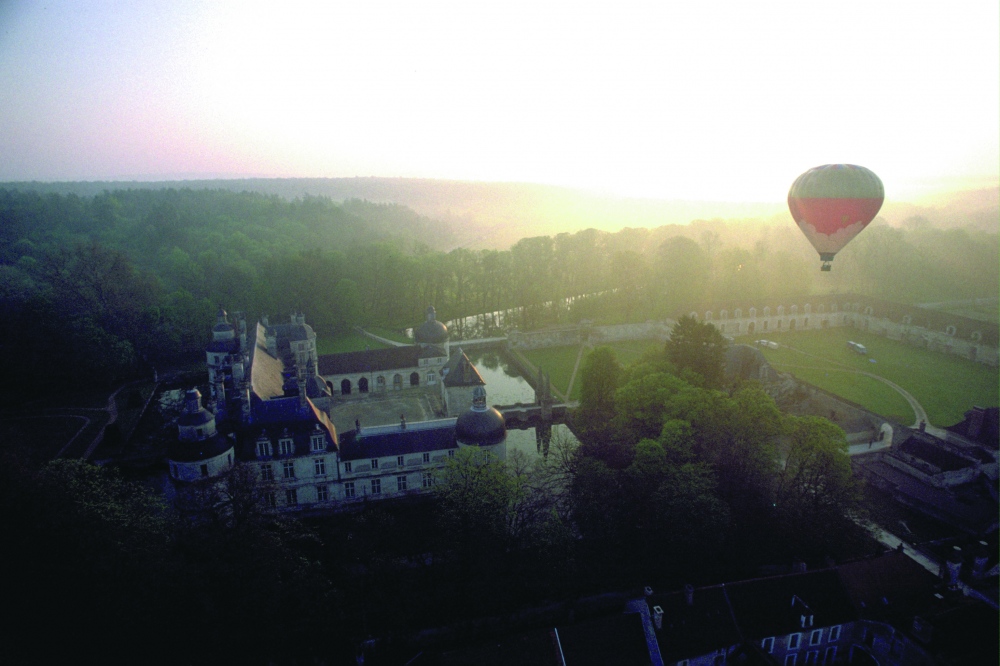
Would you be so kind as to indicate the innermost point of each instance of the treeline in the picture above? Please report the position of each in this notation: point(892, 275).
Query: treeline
point(105, 283)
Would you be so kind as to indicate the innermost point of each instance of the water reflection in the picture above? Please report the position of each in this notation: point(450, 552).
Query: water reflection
point(504, 386)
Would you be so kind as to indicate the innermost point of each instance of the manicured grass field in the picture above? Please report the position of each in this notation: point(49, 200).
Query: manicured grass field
point(558, 362)
point(346, 343)
point(946, 386)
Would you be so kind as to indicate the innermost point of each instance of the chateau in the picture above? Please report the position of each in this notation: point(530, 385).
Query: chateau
point(270, 403)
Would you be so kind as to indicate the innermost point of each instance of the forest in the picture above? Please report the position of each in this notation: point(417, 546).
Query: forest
point(127, 279)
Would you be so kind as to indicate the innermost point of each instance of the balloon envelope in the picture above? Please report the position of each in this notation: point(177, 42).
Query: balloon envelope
point(833, 203)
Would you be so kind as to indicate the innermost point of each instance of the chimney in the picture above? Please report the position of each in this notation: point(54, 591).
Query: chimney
point(357, 426)
point(981, 555)
point(648, 591)
point(402, 421)
point(953, 567)
point(689, 594)
point(658, 617)
point(976, 416)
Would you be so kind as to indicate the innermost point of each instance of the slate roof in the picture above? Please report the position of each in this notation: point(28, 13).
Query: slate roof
point(889, 588)
point(265, 370)
point(199, 450)
point(461, 372)
point(420, 437)
point(292, 332)
point(764, 607)
point(615, 639)
point(701, 628)
point(370, 360)
point(284, 417)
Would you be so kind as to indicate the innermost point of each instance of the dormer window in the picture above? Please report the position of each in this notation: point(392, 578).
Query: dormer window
point(317, 443)
point(264, 448)
point(286, 446)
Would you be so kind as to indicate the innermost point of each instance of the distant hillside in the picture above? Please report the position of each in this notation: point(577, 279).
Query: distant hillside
point(495, 215)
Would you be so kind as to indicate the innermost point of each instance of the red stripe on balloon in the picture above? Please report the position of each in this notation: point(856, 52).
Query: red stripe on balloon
point(830, 215)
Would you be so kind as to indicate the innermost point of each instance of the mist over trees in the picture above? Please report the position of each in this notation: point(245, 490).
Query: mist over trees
point(130, 277)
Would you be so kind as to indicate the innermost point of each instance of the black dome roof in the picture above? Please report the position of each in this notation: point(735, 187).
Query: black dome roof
point(432, 331)
point(481, 425)
point(483, 428)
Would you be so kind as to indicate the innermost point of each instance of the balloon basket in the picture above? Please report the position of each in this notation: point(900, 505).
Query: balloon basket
point(826, 267)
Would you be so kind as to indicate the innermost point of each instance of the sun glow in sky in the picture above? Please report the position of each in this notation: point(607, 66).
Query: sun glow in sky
point(725, 101)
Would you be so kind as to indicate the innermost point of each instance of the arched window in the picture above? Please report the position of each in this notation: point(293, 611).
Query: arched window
point(750, 328)
point(795, 310)
point(363, 385)
point(724, 314)
point(753, 313)
point(738, 314)
point(950, 330)
point(764, 325)
point(397, 382)
point(345, 387)
point(807, 309)
point(767, 310)
point(781, 310)
point(791, 324)
point(414, 379)
point(694, 315)
point(708, 316)
point(380, 383)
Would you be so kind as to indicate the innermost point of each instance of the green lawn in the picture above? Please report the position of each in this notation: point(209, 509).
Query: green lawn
point(946, 386)
point(347, 342)
point(558, 362)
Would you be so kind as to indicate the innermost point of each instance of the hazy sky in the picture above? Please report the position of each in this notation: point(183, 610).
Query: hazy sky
point(694, 100)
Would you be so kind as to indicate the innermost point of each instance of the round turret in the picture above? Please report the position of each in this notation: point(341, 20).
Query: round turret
point(223, 330)
point(481, 425)
point(200, 450)
point(431, 332)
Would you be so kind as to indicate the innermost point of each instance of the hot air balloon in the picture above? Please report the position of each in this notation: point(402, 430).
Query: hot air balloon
point(832, 204)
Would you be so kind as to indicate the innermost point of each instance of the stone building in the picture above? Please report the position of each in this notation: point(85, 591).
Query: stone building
point(270, 408)
point(933, 329)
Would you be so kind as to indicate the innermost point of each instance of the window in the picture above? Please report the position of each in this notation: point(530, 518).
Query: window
point(291, 497)
point(270, 501)
point(263, 448)
point(399, 461)
point(374, 463)
point(427, 457)
point(451, 453)
point(834, 633)
point(812, 657)
point(767, 644)
point(790, 659)
point(376, 486)
point(427, 480)
point(793, 641)
point(816, 637)
point(285, 446)
point(317, 443)
point(266, 473)
point(431, 377)
point(401, 483)
point(349, 490)
point(204, 470)
point(320, 466)
point(347, 467)
point(830, 656)
point(322, 494)
point(288, 469)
